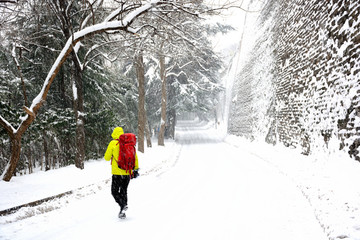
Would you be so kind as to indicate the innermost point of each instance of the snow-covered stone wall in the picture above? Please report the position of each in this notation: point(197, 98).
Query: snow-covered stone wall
point(300, 83)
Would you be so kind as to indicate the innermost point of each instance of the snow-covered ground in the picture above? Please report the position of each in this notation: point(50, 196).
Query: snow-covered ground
point(215, 187)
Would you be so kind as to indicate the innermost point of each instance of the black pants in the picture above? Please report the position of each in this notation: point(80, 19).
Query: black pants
point(119, 187)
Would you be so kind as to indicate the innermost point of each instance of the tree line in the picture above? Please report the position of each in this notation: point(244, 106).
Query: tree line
point(73, 70)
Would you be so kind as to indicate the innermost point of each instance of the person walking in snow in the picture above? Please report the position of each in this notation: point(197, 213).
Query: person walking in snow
point(120, 177)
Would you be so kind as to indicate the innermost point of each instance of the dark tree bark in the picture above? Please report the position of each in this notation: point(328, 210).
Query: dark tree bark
point(79, 114)
point(172, 123)
point(139, 63)
point(30, 160)
point(21, 77)
point(15, 156)
point(163, 101)
point(147, 133)
point(46, 153)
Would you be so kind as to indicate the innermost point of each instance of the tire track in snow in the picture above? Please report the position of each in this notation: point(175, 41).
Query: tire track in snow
point(52, 203)
point(166, 164)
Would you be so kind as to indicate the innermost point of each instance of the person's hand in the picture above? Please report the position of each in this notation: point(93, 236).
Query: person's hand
point(136, 173)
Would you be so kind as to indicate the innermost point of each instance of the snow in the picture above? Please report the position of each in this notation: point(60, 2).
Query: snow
point(28, 188)
point(75, 91)
point(13, 54)
point(8, 124)
point(206, 185)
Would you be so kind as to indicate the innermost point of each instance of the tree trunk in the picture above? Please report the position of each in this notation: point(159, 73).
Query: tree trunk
point(42, 161)
point(80, 143)
point(172, 123)
point(15, 145)
point(147, 133)
point(77, 75)
point(46, 153)
point(139, 63)
point(79, 114)
point(21, 77)
point(30, 161)
point(15, 142)
point(163, 101)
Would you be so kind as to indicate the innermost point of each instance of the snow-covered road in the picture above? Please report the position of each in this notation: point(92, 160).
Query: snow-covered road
point(205, 190)
point(216, 193)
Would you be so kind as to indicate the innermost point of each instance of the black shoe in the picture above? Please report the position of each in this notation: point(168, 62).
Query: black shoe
point(122, 215)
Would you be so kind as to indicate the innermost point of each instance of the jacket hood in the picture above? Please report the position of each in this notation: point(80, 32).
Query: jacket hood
point(117, 132)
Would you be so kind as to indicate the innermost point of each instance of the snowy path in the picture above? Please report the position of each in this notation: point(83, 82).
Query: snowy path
point(210, 191)
point(240, 201)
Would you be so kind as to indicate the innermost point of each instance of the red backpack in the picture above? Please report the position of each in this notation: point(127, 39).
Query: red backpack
point(126, 160)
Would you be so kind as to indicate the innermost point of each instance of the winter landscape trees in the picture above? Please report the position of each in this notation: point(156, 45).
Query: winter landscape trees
point(94, 50)
point(144, 64)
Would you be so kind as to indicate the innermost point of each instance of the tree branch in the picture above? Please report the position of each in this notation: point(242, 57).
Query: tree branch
point(8, 127)
point(20, 74)
point(8, 1)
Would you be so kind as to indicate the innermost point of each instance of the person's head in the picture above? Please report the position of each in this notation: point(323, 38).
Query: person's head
point(117, 132)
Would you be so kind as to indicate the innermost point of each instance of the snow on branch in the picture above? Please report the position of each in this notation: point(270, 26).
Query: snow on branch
point(8, 1)
point(176, 74)
point(195, 84)
point(184, 8)
point(97, 28)
point(132, 15)
point(180, 67)
point(9, 128)
point(88, 59)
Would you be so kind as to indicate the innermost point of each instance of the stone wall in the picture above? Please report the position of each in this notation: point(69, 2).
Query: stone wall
point(300, 85)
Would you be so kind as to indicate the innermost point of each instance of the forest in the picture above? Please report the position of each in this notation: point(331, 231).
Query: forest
point(73, 70)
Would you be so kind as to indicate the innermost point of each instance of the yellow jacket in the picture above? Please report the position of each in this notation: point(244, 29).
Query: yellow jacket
point(112, 153)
